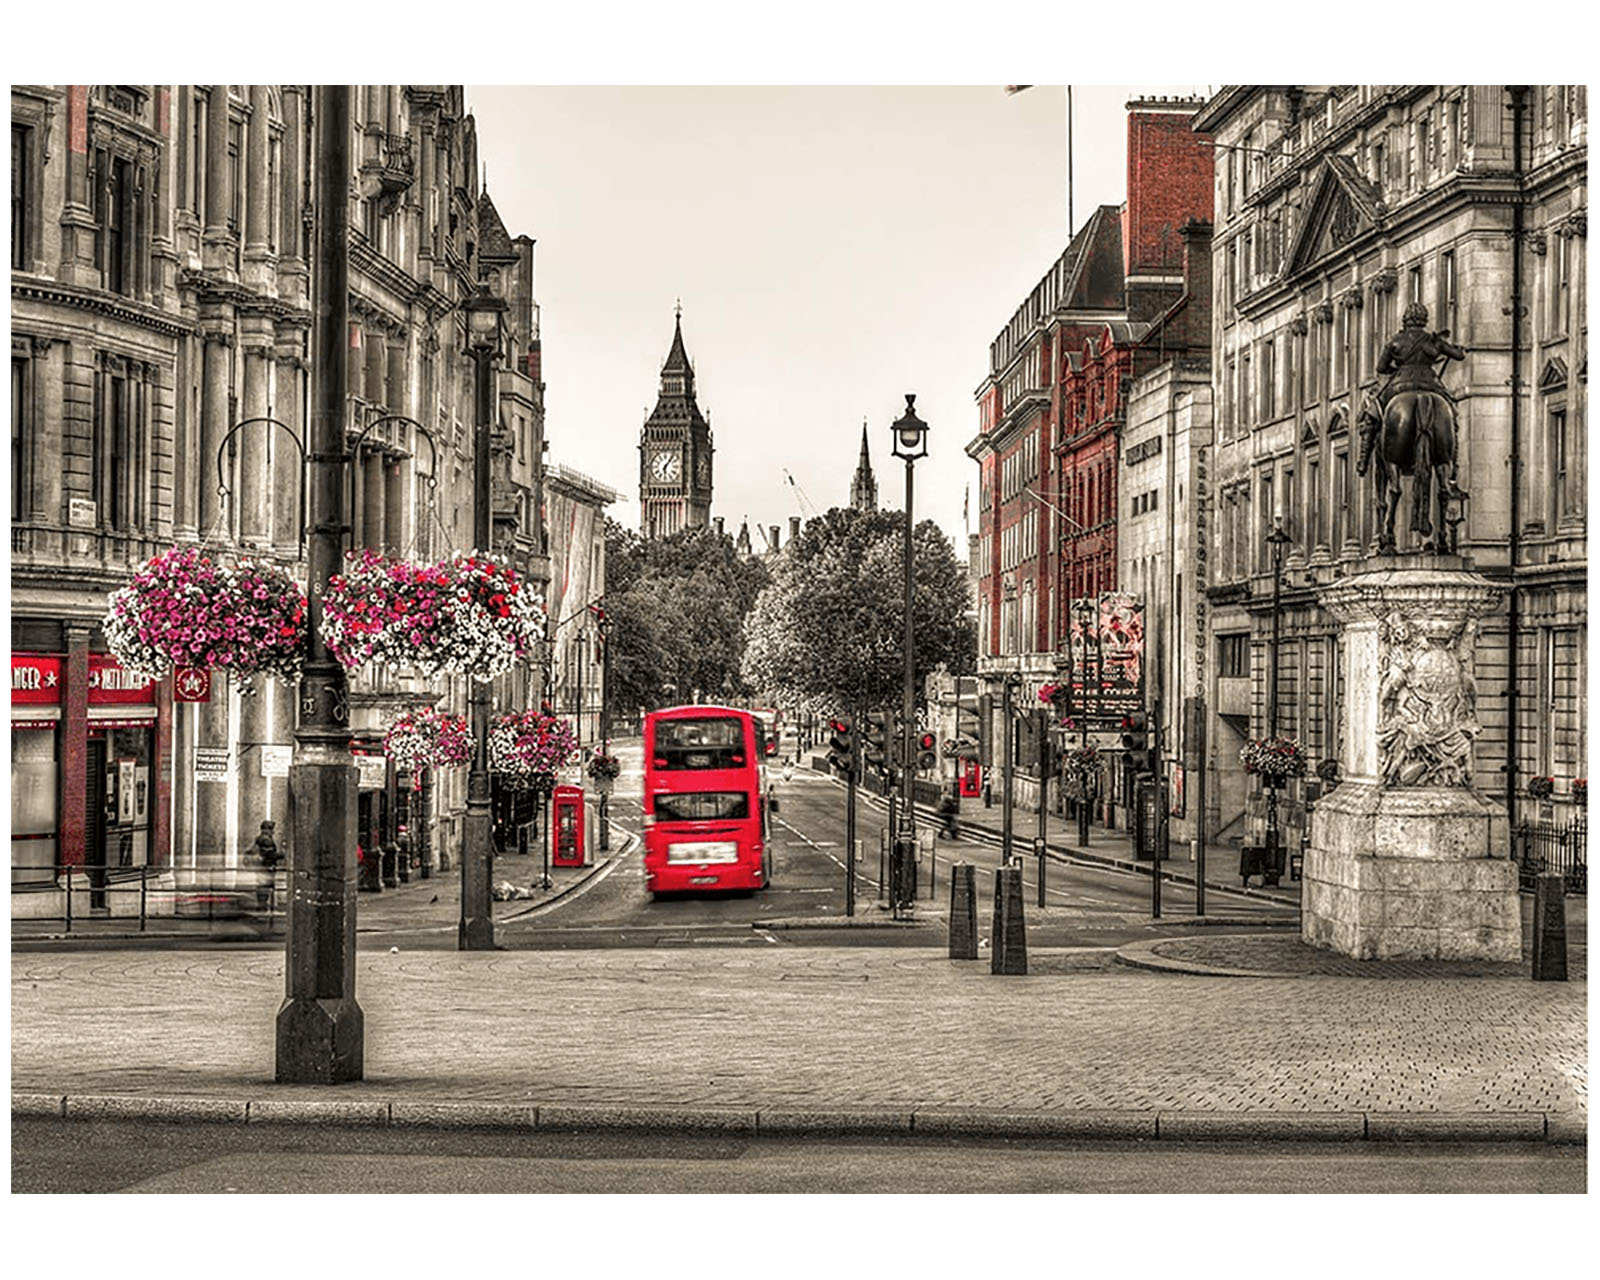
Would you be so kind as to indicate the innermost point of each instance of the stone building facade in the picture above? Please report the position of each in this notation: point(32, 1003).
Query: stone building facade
point(1336, 207)
point(576, 601)
point(161, 312)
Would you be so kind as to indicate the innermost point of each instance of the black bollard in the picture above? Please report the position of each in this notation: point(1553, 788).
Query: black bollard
point(963, 912)
point(1550, 929)
point(1009, 942)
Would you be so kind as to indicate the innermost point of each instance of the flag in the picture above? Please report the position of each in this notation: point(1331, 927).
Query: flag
point(1017, 88)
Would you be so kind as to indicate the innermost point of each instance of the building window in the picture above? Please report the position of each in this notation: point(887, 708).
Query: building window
point(1342, 498)
point(1313, 503)
point(1342, 370)
point(1290, 506)
point(1233, 655)
point(21, 194)
point(119, 446)
point(21, 429)
point(1414, 279)
point(197, 159)
point(1263, 551)
point(1244, 389)
point(114, 220)
point(1566, 465)
point(1446, 318)
point(1560, 281)
point(1269, 382)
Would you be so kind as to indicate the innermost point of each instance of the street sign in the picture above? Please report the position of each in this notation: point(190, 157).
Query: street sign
point(212, 764)
point(275, 760)
point(371, 772)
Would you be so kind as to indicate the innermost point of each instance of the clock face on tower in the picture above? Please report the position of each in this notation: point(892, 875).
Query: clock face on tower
point(664, 467)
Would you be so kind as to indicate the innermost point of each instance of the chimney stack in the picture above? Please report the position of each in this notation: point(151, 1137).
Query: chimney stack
point(774, 537)
point(717, 521)
point(794, 527)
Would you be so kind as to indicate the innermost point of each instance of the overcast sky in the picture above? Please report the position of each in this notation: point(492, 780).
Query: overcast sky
point(833, 247)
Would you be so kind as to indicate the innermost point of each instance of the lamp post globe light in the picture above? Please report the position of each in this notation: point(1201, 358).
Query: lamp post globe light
point(910, 443)
point(1277, 540)
point(476, 929)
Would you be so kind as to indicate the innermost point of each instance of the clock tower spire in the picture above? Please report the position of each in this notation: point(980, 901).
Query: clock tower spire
point(675, 450)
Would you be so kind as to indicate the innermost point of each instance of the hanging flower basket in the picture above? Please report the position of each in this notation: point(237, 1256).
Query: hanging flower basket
point(470, 615)
point(1541, 788)
point(424, 738)
point(186, 608)
point(1054, 694)
point(603, 767)
point(1083, 759)
point(1275, 759)
point(526, 744)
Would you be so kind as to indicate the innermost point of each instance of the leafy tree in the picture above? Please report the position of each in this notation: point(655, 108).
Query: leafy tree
point(828, 632)
point(677, 607)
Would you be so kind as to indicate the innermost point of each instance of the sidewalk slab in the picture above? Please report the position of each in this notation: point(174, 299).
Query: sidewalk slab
point(712, 1040)
point(1111, 1125)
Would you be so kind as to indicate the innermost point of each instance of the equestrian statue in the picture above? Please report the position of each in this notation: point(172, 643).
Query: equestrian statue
point(1410, 424)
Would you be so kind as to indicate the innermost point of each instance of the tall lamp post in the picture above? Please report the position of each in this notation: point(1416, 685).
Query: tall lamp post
point(910, 443)
point(476, 930)
point(604, 627)
point(1276, 540)
point(320, 1030)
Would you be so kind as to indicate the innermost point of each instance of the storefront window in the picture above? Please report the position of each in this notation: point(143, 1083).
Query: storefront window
point(124, 826)
point(34, 842)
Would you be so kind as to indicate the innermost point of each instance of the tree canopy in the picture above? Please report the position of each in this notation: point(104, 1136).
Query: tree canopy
point(677, 607)
point(827, 633)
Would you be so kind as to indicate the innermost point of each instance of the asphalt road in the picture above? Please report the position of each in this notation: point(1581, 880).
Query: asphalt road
point(1085, 906)
point(75, 1156)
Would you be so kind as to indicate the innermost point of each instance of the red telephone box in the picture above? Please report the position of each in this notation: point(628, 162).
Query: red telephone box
point(566, 827)
point(971, 778)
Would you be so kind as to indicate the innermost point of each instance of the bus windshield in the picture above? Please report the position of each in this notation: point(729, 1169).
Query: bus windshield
point(711, 742)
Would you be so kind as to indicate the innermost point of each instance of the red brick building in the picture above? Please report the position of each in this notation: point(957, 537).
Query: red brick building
point(1051, 406)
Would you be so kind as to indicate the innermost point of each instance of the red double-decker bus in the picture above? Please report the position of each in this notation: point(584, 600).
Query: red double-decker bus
point(705, 819)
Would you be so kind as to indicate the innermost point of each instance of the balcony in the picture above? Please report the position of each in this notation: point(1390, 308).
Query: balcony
point(391, 168)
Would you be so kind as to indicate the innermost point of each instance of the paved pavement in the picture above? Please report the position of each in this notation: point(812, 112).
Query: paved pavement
point(1228, 1036)
point(820, 1038)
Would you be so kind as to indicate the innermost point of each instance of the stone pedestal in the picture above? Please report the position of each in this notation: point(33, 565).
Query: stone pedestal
point(1406, 859)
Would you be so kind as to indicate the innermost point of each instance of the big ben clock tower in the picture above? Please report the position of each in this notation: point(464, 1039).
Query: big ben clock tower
point(675, 451)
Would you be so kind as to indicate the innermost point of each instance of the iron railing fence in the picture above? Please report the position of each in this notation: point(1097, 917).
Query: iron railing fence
point(1545, 848)
point(81, 893)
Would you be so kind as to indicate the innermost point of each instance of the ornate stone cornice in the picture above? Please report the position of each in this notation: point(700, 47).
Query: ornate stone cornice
point(98, 303)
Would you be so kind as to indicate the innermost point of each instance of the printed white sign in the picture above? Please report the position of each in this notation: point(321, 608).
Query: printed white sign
point(275, 761)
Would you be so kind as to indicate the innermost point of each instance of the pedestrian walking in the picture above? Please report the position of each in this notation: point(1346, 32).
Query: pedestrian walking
point(949, 812)
point(264, 850)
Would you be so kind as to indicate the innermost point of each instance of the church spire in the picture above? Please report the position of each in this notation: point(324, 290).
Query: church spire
point(864, 488)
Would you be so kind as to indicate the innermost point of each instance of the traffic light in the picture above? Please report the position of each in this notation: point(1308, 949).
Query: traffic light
point(1136, 742)
point(841, 744)
point(877, 749)
point(926, 757)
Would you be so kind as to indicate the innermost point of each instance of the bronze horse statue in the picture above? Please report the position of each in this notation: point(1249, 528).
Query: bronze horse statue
point(1416, 435)
point(1413, 431)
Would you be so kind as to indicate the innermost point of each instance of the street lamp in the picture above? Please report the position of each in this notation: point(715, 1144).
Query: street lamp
point(320, 1030)
point(910, 443)
point(476, 930)
point(1276, 540)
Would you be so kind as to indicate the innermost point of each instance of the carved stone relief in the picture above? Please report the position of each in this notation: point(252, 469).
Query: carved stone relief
point(1427, 700)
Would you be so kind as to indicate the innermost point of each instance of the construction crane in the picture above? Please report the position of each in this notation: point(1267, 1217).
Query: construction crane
point(806, 505)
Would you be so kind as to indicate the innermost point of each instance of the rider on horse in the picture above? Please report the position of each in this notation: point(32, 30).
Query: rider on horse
point(1409, 358)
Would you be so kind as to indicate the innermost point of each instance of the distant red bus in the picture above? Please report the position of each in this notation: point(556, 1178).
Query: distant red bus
point(768, 719)
point(705, 819)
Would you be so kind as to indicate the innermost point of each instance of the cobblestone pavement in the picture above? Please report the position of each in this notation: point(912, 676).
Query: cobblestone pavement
point(812, 1028)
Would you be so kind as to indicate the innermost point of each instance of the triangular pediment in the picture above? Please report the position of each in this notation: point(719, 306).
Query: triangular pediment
point(1343, 208)
point(1554, 376)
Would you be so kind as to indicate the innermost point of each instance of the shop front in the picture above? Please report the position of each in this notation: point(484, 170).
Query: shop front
point(86, 771)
